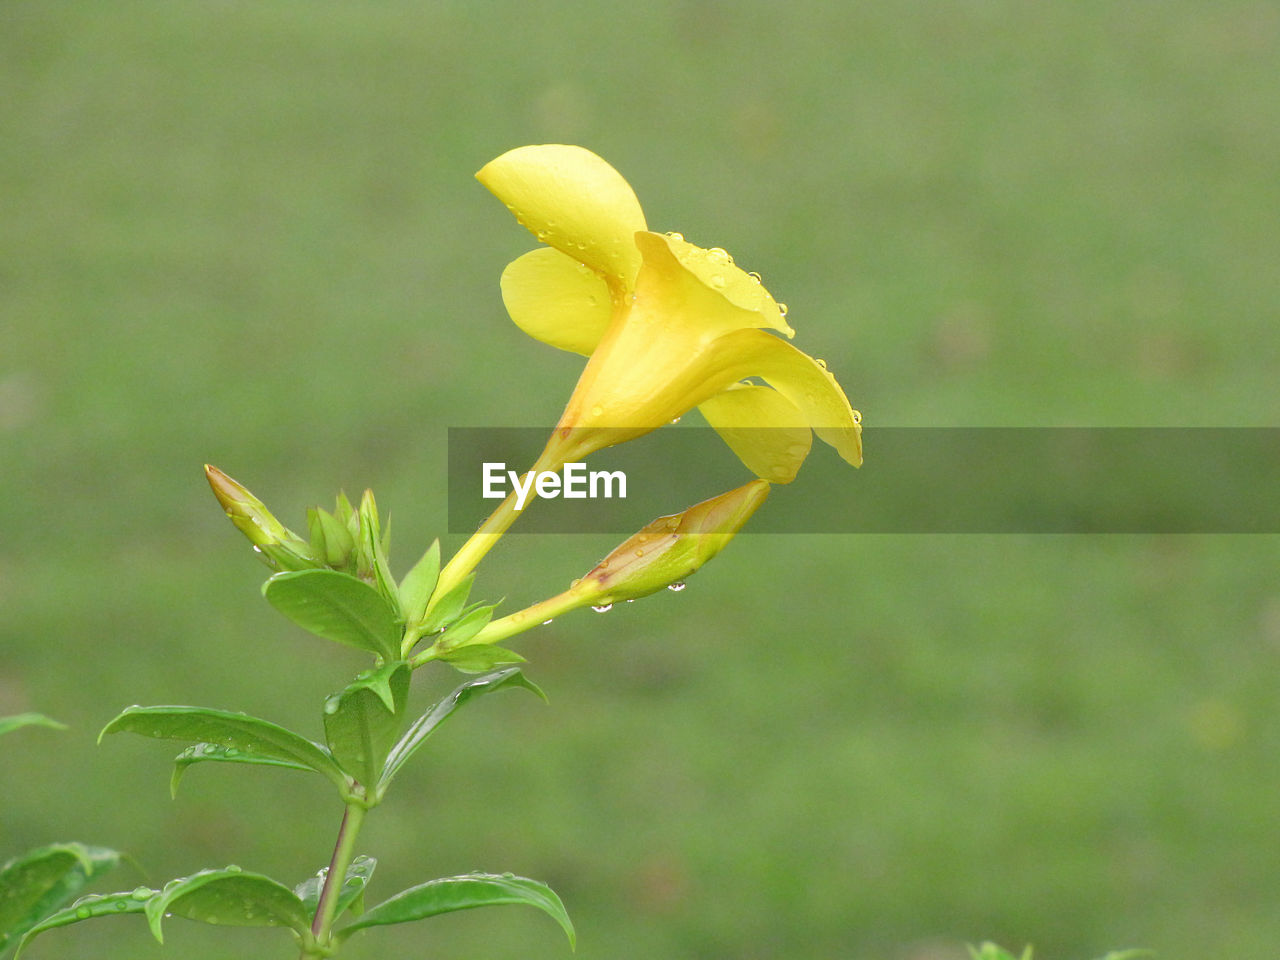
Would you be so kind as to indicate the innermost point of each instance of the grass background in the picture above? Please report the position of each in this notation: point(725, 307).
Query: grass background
point(246, 233)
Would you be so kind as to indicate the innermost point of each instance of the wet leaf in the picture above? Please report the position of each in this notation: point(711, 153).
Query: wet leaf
point(34, 885)
point(229, 897)
point(465, 892)
point(216, 753)
point(361, 722)
point(234, 731)
point(89, 908)
point(353, 885)
point(477, 658)
point(425, 725)
point(337, 606)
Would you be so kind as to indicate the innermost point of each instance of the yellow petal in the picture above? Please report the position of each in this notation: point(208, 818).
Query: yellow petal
point(709, 292)
point(716, 270)
point(574, 201)
point(765, 429)
point(798, 377)
point(557, 300)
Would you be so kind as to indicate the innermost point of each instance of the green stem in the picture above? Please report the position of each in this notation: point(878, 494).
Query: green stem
point(343, 852)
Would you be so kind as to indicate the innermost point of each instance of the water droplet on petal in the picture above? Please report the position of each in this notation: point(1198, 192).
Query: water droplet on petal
point(332, 704)
point(676, 587)
point(546, 621)
point(857, 417)
point(820, 362)
point(782, 309)
point(602, 607)
point(756, 277)
point(233, 868)
point(597, 410)
point(632, 600)
point(676, 420)
point(675, 236)
point(717, 281)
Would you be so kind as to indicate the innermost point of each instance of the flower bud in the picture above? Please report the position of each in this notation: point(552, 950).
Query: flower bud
point(282, 548)
point(670, 548)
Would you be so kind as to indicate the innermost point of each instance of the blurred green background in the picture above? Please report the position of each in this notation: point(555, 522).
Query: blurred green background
point(247, 234)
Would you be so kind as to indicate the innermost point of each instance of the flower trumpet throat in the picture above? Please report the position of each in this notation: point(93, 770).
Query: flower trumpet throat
point(663, 553)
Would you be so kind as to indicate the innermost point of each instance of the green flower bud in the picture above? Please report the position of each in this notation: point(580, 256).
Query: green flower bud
point(281, 547)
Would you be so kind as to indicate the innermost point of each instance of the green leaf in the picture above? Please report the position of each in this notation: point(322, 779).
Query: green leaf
point(426, 724)
point(9, 724)
point(233, 731)
point(229, 897)
point(88, 908)
point(353, 884)
point(466, 892)
point(479, 657)
point(40, 881)
point(449, 606)
point(217, 753)
point(467, 626)
point(361, 722)
point(331, 541)
point(418, 584)
point(1129, 954)
point(337, 606)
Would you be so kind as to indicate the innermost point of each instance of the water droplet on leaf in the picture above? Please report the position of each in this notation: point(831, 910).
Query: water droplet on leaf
point(677, 586)
point(602, 607)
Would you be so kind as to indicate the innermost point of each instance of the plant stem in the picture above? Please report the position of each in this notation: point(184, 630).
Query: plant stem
point(480, 542)
point(343, 851)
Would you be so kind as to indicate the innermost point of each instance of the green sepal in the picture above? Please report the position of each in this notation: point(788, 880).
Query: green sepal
point(9, 724)
point(217, 753)
point(371, 552)
point(339, 607)
point(229, 897)
point(331, 541)
point(471, 621)
point(418, 584)
point(89, 908)
point(426, 724)
point(345, 514)
point(448, 607)
point(351, 894)
point(237, 731)
point(450, 894)
point(40, 881)
point(362, 721)
point(479, 657)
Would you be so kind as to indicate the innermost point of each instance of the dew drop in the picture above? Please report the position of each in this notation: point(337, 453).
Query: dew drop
point(677, 586)
point(675, 236)
point(121, 905)
point(756, 277)
point(602, 607)
point(718, 281)
point(232, 752)
point(211, 919)
point(597, 410)
point(508, 876)
point(546, 621)
point(257, 549)
point(782, 309)
point(142, 893)
point(820, 362)
point(857, 417)
point(675, 421)
point(84, 913)
point(233, 868)
point(332, 704)
point(632, 600)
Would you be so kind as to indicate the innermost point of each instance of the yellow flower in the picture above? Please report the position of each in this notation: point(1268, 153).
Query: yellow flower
point(667, 325)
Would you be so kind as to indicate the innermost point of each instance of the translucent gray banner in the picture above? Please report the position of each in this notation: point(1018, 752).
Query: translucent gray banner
point(915, 480)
